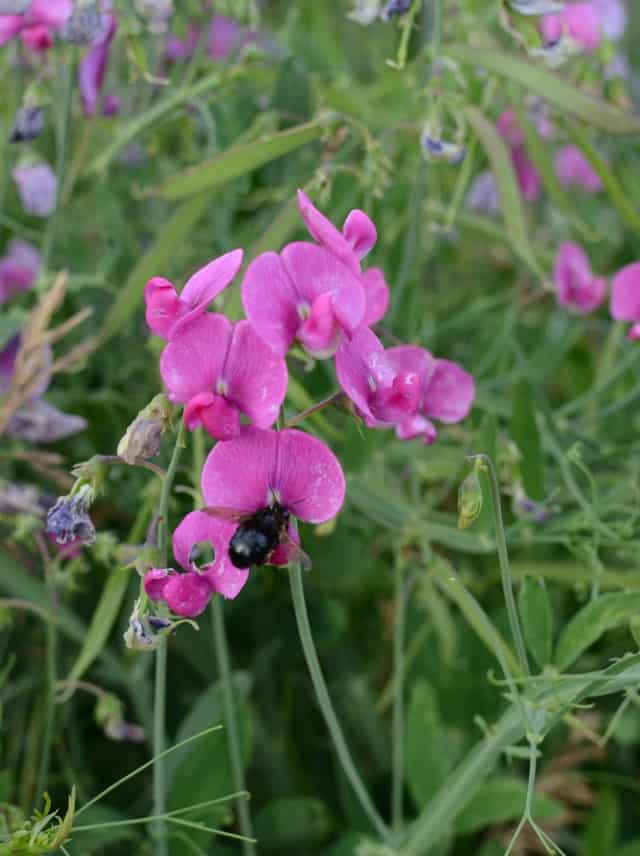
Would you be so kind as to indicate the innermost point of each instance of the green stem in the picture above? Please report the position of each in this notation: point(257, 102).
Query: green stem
point(397, 727)
point(503, 557)
point(160, 685)
point(51, 656)
point(231, 725)
point(322, 694)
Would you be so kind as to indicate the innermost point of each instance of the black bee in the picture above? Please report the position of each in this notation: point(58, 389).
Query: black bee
point(259, 534)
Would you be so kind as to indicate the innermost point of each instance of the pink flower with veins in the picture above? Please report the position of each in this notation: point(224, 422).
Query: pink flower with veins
point(625, 298)
point(580, 21)
point(37, 26)
point(304, 293)
point(167, 312)
point(256, 470)
point(576, 286)
point(220, 370)
point(572, 168)
point(357, 238)
point(18, 269)
point(403, 386)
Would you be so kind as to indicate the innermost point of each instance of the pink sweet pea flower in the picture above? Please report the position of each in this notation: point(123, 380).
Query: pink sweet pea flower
point(357, 238)
point(581, 21)
point(526, 174)
point(18, 269)
point(303, 293)
point(92, 69)
point(221, 370)
point(509, 128)
point(625, 298)
point(572, 168)
point(176, 48)
point(576, 286)
point(37, 26)
point(37, 187)
point(167, 312)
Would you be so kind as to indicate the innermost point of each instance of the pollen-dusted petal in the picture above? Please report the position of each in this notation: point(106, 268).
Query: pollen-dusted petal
point(360, 232)
point(625, 293)
point(188, 594)
point(315, 271)
point(192, 361)
point(256, 376)
point(572, 168)
point(206, 284)
point(219, 417)
point(376, 292)
point(319, 334)
point(326, 234)
point(163, 306)
point(307, 476)
point(449, 393)
point(237, 474)
point(155, 581)
point(271, 302)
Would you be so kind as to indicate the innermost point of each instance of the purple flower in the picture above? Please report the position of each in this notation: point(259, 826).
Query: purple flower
point(18, 269)
point(625, 298)
point(613, 18)
point(581, 21)
point(221, 370)
point(526, 174)
point(576, 286)
point(572, 168)
point(92, 70)
point(246, 475)
point(69, 520)
point(38, 188)
point(167, 312)
point(395, 8)
point(483, 194)
point(27, 125)
point(176, 48)
point(36, 27)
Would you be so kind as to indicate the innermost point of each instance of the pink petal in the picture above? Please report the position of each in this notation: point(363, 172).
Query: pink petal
point(18, 269)
point(399, 400)
point(356, 361)
point(326, 234)
point(360, 232)
point(526, 174)
point(376, 293)
point(634, 333)
point(449, 393)
point(625, 293)
point(284, 553)
point(54, 13)
point(224, 37)
point(411, 358)
point(256, 376)
point(315, 271)
point(551, 28)
point(10, 26)
point(271, 302)
point(583, 22)
point(319, 334)
point(93, 67)
point(207, 283)
point(417, 426)
point(163, 306)
point(576, 286)
point(155, 582)
point(192, 362)
point(220, 418)
point(188, 594)
point(572, 167)
point(509, 128)
point(37, 38)
point(237, 474)
point(177, 48)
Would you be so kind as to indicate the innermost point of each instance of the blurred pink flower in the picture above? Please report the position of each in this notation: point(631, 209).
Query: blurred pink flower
point(37, 187)
point(576, 286)
point(572, 168)
point(581, 21)
point(625, 297)
point(92, 70)
point(509, 128)
point(221, 370)
point(38, 25)
point(527, 175)
point(167, 312)
point(18, 269)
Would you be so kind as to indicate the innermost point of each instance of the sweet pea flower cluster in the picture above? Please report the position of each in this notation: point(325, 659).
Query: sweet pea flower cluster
point(37, 26)
point(586, 23)
point(232, 380)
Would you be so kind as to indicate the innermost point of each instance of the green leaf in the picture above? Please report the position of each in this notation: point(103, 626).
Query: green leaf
point(102, 622)
point(601, 833)
point(537, 619)
point(510, 199)
point(500, 800)
point(237, 161)
point(156, 258)
point(631, 848)
point(594, 619)
point(525, 434)
point(429, 755)
point(293, 822)
point(551, 86)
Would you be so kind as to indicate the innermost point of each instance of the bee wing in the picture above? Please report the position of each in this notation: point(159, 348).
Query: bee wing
point(222, 513)
point(294, 552)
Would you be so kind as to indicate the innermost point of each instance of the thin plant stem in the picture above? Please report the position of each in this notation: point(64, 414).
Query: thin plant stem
point(160, 683)
point(322, 694)
point(503, 558)
point(51, 656)
point(231, 724)
point(397, 726)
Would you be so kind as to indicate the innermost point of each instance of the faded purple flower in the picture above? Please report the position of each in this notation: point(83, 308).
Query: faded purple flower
point(92, 70)
point(69, 520)
point(18, 269)
point(27, 125)
point(38, 188)
point(625, 298)
point(483, 194)
point(573, 169)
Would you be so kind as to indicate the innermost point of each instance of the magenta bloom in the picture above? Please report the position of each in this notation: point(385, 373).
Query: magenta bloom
point(176, 48)
point(167, 312)
point(576, 286)
point(527, 175)
point(403, 386)
point(92, 70)
point(304, 293)
point(37, 26)
point(37, 187)
point(572, 168)
point(509, 128)
point(221, 370)
point(581, 21)
point(625, 298)
point(18, 269)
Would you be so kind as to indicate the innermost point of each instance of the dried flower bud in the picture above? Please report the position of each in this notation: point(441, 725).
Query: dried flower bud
point(145, 631)
point(142, 437)
point(68, 520)
point(395, 8)
point(84, 25)
point(435, 148)
point(27, 125)
point(157, 13)
point(109, 716)
point(469, 501)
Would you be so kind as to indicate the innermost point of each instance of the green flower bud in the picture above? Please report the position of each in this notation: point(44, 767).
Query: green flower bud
point(469, 501)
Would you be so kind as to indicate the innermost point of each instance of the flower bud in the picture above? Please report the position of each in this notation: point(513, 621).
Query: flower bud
point(469, 501)
point(143, 436)
point(109, 716)
point(435, 148)
point(27, 125)
point(68, 520)
point(395, 8)
point(145, 631)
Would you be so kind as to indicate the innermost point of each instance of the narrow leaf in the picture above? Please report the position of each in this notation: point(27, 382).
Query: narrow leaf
point(525, 434)
point(237, 161)
point(594, 619)
point(428, 753)
point(601, 834)
point(537, 619)
point(551, 86)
